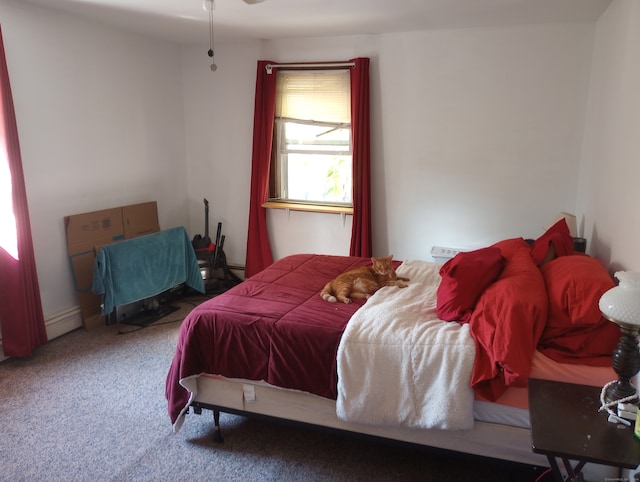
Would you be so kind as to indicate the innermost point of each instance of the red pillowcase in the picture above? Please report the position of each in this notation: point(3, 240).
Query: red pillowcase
point(507, 323)
point(464, 278)
point(555, 242)
point(576, 331)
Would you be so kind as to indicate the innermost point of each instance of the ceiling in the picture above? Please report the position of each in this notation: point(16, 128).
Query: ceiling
point(186, 21)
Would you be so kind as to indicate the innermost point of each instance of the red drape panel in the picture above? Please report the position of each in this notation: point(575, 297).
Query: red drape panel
point(21, 315)
point(258, 248)
point(361, 244)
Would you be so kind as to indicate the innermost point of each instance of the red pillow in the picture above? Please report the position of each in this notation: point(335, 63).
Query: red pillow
point(464, 278)
point(555, 242)
point(576, 331)
point(507, 323)
point(509, 247)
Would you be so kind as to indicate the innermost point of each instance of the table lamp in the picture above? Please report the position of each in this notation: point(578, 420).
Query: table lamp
point(621, 305)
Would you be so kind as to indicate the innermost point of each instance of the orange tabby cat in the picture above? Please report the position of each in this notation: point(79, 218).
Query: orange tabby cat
point(362, 282)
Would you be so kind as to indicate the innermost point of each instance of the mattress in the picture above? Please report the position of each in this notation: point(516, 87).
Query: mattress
point(500, 431)
point(512, 408)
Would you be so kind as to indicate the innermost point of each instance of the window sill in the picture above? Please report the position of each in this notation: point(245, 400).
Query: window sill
point(313, 208)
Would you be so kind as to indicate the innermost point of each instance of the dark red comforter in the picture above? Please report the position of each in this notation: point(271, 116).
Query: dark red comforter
point(273, 326)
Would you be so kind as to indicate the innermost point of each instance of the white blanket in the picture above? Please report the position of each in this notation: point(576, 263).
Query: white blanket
point(398, 364)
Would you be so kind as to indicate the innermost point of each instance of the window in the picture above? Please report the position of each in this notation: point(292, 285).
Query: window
point(8, 230)
point(311, 157)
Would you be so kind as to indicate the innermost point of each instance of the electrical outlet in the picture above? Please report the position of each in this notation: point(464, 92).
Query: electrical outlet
point(443, 252)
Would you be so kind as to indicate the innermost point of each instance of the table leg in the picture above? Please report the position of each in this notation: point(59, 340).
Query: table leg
point(573, 473)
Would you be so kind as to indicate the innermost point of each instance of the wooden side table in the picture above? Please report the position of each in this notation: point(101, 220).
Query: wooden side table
point(566, 425)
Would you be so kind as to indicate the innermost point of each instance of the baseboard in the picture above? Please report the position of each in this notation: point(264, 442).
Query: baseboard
point(57, 325)
point(63, 322)
point(238, 269)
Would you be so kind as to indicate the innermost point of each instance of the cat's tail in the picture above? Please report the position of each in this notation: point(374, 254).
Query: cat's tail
point(326, 294)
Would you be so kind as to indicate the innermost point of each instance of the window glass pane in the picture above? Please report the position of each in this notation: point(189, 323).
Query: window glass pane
point(8, 229)
point(325, 178)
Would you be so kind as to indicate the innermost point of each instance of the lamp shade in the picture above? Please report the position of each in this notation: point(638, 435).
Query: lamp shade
point(621, 304)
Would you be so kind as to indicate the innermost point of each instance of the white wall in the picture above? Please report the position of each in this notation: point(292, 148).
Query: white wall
point(480, 133)
point(100, 120)
point(476, 135)
point(219, 133)
point(609, 197)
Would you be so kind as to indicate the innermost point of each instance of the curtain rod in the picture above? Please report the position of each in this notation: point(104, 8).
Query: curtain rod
point(270, 67)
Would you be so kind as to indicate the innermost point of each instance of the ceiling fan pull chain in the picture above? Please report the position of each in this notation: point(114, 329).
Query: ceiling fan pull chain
point(209, 6)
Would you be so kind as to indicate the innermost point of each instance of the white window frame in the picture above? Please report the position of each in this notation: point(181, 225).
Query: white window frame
point(279, 189)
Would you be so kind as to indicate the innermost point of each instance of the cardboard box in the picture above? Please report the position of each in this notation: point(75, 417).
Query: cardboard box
point(88, 232)
point(140, 219)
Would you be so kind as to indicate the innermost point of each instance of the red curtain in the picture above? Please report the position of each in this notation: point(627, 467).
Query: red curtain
point(361, 244)
point(21, 316)
point(258, 247)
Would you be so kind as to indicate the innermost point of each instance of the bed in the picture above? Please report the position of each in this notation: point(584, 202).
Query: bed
point(443, 363)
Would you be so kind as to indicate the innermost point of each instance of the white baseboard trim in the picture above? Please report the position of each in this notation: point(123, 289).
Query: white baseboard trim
point(63, 322)
point(57, 325)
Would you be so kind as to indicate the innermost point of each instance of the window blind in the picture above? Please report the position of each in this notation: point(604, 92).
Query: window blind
point(319, 95)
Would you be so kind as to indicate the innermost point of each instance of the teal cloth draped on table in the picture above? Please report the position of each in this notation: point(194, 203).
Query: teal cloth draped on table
point(143, 267)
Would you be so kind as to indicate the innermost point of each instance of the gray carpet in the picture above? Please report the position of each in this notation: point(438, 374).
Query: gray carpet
point(90, 406)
